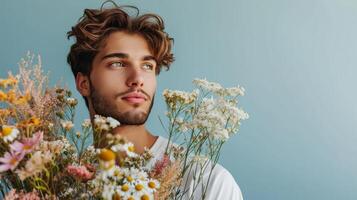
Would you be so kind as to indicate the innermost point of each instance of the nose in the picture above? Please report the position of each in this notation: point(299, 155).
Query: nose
point(135, 78)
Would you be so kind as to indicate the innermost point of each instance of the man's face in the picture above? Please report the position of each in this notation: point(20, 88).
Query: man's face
point(123, 79)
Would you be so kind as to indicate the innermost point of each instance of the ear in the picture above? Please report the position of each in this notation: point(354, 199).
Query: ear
point(83, 84)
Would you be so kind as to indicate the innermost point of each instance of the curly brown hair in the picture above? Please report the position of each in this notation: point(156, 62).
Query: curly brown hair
point(96, 25)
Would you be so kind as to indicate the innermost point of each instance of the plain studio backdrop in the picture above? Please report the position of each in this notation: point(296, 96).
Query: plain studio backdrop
point(296, 59)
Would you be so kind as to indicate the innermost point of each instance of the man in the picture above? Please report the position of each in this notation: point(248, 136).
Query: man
point(115, 60)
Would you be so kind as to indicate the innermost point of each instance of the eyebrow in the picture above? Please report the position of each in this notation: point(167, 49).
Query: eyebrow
point(124, 55)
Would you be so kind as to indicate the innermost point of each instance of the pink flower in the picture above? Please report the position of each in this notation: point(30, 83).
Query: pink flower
point(13, 195)
point(10, 160)
point(160, 165)
point(80, 172)
point(28, 144)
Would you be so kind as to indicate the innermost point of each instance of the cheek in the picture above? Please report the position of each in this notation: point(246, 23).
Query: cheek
point(151, 85)
point(108, 82)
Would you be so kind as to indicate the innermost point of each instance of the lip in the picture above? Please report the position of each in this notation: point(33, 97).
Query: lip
point(134, 97)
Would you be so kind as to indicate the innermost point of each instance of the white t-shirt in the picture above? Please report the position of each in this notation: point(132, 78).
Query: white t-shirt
point(222, 185)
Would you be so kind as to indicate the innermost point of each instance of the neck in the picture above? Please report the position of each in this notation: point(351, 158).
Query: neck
point(138, 135)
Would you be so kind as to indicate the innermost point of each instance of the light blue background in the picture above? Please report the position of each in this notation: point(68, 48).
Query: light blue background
point(296, 59)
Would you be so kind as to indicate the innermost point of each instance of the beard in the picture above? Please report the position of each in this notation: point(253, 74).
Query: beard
point(107, 107)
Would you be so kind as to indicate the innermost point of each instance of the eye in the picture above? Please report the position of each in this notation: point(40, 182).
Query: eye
point(117, 64)
point(148, 66)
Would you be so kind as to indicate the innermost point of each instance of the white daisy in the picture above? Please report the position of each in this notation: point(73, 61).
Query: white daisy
point(9, 133)
point(153, 185)
point(128, 148)
point(125, 190)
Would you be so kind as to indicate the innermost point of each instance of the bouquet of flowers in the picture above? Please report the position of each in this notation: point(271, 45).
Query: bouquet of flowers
point(43, 156)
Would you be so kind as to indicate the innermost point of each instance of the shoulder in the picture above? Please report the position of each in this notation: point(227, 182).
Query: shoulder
point(223, 185)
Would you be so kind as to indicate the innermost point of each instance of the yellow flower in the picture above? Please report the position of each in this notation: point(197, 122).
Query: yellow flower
point(129, 178)
point(107, 159)
point(152, 184)
point(107, 155)
point(5, 112)
point(10, 81)
point(8, 133)
point(22, 99)
point(131, 148)
point(3, 96)
point(34, 121)
point(139, 187)
point(3, 83)
point(125, 188)
point(145, 197)
point(116, 196)
point(11, 96)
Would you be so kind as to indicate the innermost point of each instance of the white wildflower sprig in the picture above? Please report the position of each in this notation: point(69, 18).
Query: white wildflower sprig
point(113, 123)
point(204, 120)
point(71, 101)
point(67, 125)
point(174, 98)
point(86, 123)
point(217, 89)
point(105, 123)
point(219, 117)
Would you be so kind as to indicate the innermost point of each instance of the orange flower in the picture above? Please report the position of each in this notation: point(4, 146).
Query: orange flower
point(11, 81)
point(11, 96)
point(22, 99)
point(3, 83)
point(107, 155)
point(32, 122)
point(107, 159)
point(3, 96)
point(4, 112)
